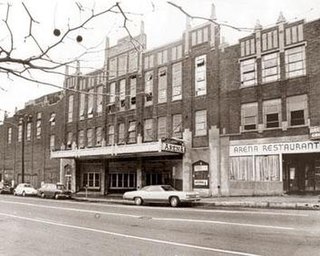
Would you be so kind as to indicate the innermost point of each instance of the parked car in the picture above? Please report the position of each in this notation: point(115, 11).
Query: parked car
point(161, 193)
point(25, 189)
point(5, 188)
point(53, 190)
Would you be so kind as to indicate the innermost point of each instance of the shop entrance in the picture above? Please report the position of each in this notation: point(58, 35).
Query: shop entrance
point(301, 173)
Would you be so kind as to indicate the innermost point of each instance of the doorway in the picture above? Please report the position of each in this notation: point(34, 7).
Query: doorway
point(301, 173)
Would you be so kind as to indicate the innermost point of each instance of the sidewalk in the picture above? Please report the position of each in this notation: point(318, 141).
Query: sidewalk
point(298, 202)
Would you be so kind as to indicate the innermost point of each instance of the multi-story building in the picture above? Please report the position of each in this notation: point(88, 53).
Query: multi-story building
point(236, 120)
point(270, 110)
point(27, 139)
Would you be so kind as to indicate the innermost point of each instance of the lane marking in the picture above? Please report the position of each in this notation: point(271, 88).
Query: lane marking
point(152, 218)
point(130, 236)
point(175, 209)
point(223, 223)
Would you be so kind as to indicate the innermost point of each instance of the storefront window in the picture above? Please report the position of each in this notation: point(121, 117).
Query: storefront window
point(255, 168)
point(122, 180)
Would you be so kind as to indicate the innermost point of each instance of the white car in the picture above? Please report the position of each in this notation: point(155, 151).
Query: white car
point(25, 189)
point(161, 194)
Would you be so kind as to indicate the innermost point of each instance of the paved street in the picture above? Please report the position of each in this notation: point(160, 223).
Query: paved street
point(49, 227)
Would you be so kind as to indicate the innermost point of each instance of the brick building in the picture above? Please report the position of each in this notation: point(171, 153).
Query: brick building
point(236, 120)
point(34, 130)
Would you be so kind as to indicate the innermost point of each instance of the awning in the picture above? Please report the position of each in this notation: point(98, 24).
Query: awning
point(128, 150)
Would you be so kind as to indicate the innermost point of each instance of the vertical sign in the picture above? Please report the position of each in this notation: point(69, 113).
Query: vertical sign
point(200, 175)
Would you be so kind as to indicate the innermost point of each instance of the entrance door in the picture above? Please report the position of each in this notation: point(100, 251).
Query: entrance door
point(298, 173)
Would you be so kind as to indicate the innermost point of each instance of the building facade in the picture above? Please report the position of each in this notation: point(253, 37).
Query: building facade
point(235, 120)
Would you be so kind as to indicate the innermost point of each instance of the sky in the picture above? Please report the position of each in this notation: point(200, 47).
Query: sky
point(163, 24)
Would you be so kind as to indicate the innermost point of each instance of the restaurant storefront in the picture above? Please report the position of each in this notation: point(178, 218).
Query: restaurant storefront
point(288, 165)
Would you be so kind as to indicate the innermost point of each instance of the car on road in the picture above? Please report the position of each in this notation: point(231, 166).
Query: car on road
point(5, 188)
point(161, 194)
point(54, 190)
point(25, 189)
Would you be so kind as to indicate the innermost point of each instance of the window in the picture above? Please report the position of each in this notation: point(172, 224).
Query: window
point(248, 47)
point(38, 131)
point(121, 133)
point(70, 109)
point(91, 180)
point(90, 137)
point(297, 110)
point(295, 62)
point(113, 68)
point(176, 52)
point(177, 81)
point(81, 139)
point(52, 119)
point(255, 168)
point(91, 81)
point(270, 67)
point(148, 130)
point(201, 123)
point(200, 76)
point(132, 132)
point(177, 126)
point(162, 57)
point(69, 140)
point(269, 40)
point(99, 99)
point(133, 61)
point(111, 135)
point(112, 93)
point(294, 34)
point(199, 36)
point(98, 136)
point(82, 83)
point(148, 62)
point(148, 90)
point(162, 127)
point(162, 85)
point(133, 91)
point(90, 103)
point(249, 116)
point(248, 72)
point(20, 129)
point(272, 113)
point(29, 128)
point(82, 106)
point(9, 135)
point(122, 68)
point(52, 142)
point(122, 180)
point(122, 94)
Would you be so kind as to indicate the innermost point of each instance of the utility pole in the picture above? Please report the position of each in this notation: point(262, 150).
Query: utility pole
point(22, 149)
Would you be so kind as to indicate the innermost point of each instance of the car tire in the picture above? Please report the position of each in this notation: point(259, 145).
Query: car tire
point(174, 201)
point(23, 193)
point(138, 201)
point(43, 195)
point(56, 196)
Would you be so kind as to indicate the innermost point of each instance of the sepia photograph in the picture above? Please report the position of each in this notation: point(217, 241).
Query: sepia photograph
point(159, 127)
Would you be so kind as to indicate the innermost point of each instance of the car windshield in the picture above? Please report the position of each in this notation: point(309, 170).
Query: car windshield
point(167, 188)
point(27, 186)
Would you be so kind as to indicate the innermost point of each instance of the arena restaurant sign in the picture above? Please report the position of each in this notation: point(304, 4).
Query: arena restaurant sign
point(275, 148)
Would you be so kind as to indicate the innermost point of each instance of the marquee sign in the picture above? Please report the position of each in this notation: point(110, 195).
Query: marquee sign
point(275, 148)
point(174, 148)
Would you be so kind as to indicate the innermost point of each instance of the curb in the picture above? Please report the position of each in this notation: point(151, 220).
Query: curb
point(210, 205)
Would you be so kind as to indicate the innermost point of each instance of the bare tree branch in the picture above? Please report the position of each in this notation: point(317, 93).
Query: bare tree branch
point(208, 19)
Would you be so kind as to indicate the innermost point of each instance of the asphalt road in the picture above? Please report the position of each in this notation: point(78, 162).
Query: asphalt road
point(34, 226)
